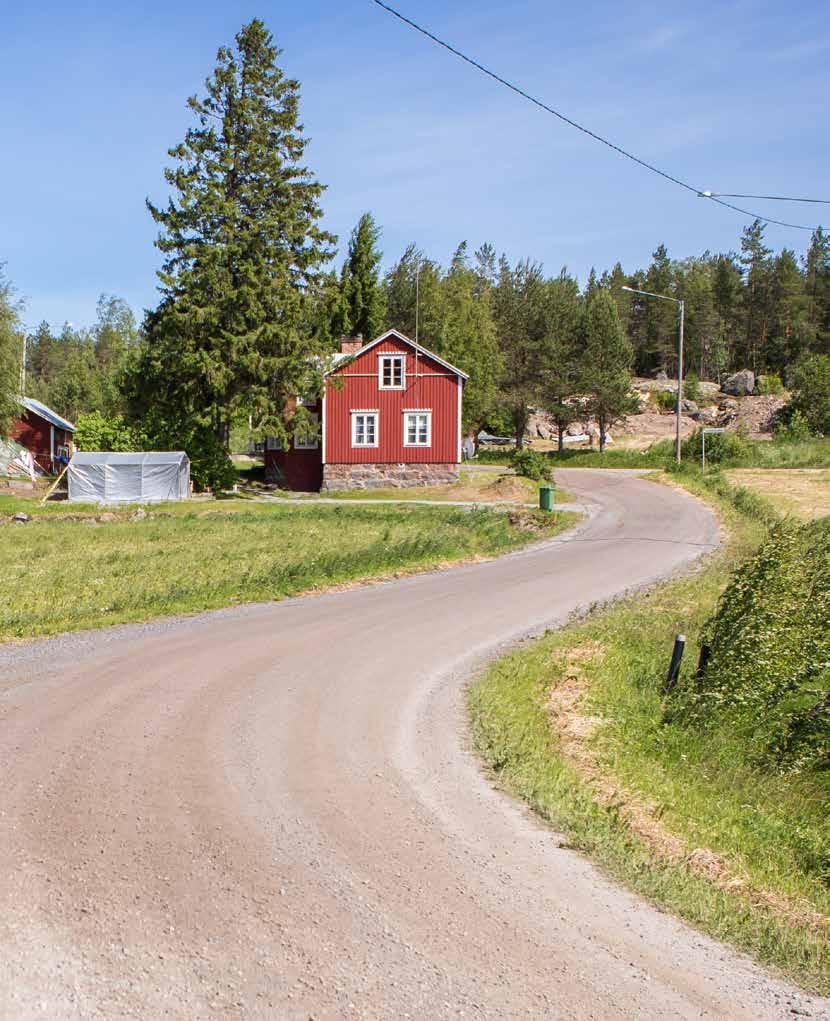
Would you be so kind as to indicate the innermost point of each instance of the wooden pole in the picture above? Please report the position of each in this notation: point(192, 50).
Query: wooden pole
point(54, 485)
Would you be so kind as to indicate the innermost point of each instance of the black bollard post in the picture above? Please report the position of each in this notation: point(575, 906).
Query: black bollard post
point(702, 663)
point(674, 666)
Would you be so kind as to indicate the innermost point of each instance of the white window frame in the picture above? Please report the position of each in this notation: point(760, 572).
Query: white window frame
point(391, 356)
point(272, 443)
point(374, 413)
point(310, 443)
point(417, 413)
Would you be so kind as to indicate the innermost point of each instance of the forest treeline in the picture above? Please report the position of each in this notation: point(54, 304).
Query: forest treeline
point(249, 308)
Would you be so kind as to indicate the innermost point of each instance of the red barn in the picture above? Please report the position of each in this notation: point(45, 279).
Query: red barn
point(392, 419)
point(43, 432)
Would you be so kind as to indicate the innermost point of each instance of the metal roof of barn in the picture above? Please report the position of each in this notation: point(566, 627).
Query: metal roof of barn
point(30, 404)
point(129, 457)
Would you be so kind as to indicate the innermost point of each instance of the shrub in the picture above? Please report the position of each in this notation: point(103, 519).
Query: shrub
point(531, 463)
point(770, 384)
point(691, 388)
point(666, 400)
point(793, 428)
point(768, 678)
point(811, 383)
point(721, 448)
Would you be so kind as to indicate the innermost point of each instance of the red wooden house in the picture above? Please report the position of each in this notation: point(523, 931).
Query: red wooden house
point(393, 418)
point(44, 433)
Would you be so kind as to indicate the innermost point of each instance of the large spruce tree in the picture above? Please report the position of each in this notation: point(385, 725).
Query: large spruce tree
point(364, 298)
point(242, 250)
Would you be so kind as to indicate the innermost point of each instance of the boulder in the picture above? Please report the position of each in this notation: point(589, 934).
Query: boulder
point(690, 407)
point(739, 384)
point(21, 518)
point(662, 377)
point(139, 515)
point(707, 416)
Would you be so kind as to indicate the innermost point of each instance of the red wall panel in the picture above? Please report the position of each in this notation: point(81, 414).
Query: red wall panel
point(429, 387)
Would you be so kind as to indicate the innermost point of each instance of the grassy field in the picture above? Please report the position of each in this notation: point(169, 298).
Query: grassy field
point(61, 575)
point(813, 453)
point(802, 492)
point(575, 725)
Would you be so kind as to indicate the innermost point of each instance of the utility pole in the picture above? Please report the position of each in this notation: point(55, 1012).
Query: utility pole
point(23, 366)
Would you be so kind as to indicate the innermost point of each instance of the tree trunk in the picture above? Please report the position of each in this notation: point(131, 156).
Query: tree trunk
point(561, 430)
point(601, 424)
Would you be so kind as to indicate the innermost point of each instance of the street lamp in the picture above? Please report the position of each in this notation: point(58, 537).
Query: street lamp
point(677, 301)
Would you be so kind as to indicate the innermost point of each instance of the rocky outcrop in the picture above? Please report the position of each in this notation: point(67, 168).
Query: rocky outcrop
point(338, 477)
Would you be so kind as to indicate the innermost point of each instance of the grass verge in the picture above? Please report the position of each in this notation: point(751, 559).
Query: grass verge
point(574, 725)
point(62, 575)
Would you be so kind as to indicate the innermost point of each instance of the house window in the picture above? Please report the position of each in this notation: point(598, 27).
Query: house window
point(417, 428)
point(272, 443)
point(306, 437)
point(391, 372)
point(364, 428)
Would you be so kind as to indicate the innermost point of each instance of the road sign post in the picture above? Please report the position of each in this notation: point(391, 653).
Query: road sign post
point(704, 433)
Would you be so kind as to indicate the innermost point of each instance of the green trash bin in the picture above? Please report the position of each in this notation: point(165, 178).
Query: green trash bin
point(546, 497)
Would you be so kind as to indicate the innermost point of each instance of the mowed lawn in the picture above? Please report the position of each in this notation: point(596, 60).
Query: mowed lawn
point(61, 575)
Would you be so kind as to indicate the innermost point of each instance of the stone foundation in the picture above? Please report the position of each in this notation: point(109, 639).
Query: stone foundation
point(386, 476)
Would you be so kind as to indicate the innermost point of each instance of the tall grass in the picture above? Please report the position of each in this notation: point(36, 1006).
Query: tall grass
point(61, 575)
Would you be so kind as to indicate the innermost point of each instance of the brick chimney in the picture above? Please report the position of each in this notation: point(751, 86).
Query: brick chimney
point(349, 345)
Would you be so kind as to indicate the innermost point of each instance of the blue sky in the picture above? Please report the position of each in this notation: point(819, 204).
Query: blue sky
point(731, 96)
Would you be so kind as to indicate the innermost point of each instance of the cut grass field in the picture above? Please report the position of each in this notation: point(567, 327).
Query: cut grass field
point(802, 492)
point(63, 575)
point(574, 725)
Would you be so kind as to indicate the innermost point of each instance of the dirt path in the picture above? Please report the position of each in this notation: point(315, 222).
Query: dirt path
point(271, 812)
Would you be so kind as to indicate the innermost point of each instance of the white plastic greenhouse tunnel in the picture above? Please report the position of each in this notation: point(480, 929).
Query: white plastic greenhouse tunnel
point(141, 477)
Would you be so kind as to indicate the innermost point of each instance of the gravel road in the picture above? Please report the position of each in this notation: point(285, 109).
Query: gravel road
point(272, 812)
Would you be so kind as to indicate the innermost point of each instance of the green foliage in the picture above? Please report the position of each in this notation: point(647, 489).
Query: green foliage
point(364, 303)
point(793, 428)
point(769, 675)
point(666, 400)
point(242, 255)
point(811, 383)
point(605, 371)
point(11, 348)
point(727, 448)
point(769, 384)
point(691, 388)
point(82, 370)
point(94, 431)
point(530, 463)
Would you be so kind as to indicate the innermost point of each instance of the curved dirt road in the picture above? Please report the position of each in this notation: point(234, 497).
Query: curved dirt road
point(271, 813)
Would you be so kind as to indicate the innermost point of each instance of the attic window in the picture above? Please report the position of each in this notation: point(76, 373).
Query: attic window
point(391, 372)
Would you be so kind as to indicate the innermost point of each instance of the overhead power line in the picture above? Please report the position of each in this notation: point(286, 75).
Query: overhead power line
point(574, 124)
point(770, 198)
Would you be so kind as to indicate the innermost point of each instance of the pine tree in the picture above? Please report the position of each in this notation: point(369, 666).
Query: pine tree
point(755, 260)
point(817, 286)
point(660, 316)
point(789, 333)
point(521, 312)
point(605, 371)
point(242, 252)
point(415, 277)
point(362, 289)
point(11, 352)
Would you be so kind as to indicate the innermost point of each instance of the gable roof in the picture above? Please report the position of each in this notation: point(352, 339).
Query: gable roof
point(52, 417)
point(340, 358)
